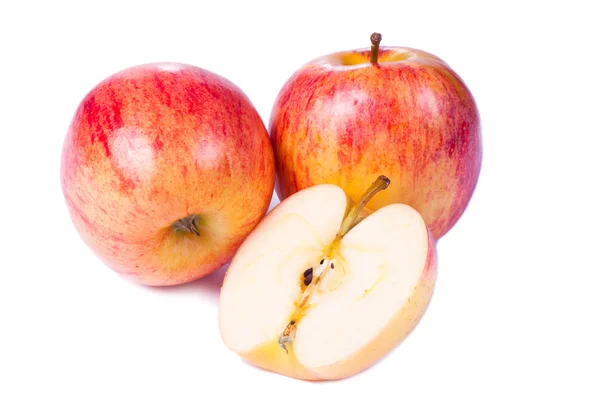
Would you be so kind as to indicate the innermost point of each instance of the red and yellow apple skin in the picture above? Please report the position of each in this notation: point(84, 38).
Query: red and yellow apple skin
point(156, 143)
point(342, 120)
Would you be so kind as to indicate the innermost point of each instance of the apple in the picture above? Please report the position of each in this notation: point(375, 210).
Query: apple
point(323, 288)
point(165, 169)
point(346, 117)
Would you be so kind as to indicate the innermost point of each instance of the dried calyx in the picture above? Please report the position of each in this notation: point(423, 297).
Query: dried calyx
point(187, 224)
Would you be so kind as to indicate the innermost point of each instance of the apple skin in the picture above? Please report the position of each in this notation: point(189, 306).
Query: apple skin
point(342, 120)
point(155, 143)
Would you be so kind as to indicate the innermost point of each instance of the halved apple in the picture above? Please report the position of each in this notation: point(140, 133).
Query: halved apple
point(323, 288)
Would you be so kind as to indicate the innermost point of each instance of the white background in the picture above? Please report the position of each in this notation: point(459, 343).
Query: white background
point(516, 308)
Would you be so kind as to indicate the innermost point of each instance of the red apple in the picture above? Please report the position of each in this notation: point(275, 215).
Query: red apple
point(345, 118)
point(166, 168)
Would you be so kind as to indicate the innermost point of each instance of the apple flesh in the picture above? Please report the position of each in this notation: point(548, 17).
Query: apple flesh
point(165, 170)
point(311, 297)
point(343, 120)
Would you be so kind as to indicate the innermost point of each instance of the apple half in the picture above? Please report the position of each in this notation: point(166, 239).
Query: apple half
point(323, 288)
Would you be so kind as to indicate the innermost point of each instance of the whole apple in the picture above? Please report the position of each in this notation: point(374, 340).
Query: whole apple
point(349, 116)
point(165, 169)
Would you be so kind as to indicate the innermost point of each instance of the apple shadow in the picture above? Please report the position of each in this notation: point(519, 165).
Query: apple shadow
point(209, 286)
point(304, 381)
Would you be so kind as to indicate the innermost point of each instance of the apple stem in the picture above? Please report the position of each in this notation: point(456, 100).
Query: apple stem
point(375, 40)
point(381, 183)
point(187, 224)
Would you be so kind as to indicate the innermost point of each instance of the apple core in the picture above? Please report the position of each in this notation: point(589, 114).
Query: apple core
point(326, 277)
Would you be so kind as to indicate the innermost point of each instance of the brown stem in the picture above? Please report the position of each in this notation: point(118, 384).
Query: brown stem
point(381, 183)
point(375, 40)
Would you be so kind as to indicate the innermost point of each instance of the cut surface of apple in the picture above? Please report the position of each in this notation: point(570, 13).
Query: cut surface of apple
point(321, 290)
